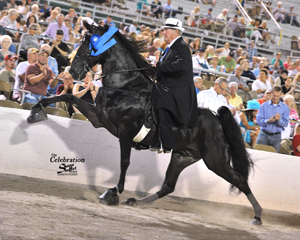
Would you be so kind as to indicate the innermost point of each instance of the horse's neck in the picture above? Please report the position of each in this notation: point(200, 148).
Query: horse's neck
point(120, 69)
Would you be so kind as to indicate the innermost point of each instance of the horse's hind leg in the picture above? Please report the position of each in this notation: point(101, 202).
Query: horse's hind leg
point(177, 164)
point(222, 168)
point(84, 107)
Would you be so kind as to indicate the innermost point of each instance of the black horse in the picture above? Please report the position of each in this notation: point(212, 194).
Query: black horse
point(123, 106)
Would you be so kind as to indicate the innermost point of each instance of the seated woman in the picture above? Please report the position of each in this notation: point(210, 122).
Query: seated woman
point(247, 122)
point(224, 51)
point(86, 90)
point(210, 51)
point(30, 20)
point(75, 35)
point(34, 11)
point(260, 85)
point(290, 101)
point(195, 45)
point(289, 131)
point(192, 22)
point(59, 50)
point(23, 9)
point(5, 42)
point(156, 8)
point(52, 17)
point(29, 40)
point(265, 33)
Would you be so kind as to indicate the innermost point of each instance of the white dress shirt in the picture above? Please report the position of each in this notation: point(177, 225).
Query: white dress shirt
point(257, 84)
point(21, 68)
point(211, 100)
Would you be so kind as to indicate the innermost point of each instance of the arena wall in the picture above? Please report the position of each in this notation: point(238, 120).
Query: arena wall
point(36, 150)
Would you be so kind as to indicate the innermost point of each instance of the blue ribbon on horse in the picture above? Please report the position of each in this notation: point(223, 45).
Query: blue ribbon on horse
point(101, 43)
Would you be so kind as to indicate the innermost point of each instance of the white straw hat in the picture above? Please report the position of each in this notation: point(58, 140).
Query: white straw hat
point(173, 23)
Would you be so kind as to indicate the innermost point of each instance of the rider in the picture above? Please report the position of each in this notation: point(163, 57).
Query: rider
point(174, 96)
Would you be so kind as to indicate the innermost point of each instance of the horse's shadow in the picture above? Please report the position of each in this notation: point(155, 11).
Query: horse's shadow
point(106, 157)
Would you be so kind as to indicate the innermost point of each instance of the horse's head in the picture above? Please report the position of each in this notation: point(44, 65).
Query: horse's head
point(89, 53)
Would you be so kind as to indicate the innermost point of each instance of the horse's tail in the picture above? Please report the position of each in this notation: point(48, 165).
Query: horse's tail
point(240, 158)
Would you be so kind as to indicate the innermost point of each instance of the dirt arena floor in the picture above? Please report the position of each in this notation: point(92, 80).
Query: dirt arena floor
point(40, 209)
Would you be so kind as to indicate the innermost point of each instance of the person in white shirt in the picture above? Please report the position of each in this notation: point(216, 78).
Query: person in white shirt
point(133, 26)
point(213, 98)
point(200, 63)
point(293, 70)
point(9, 21)
point(261, 85)
point(32, 56)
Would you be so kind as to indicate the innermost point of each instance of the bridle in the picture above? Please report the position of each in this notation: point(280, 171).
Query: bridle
point(87, 68)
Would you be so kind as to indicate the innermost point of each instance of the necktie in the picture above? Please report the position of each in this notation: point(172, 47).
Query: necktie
point(165, 53)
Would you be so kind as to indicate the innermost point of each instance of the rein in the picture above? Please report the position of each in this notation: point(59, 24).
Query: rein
point(139, 94)
point(129, 70)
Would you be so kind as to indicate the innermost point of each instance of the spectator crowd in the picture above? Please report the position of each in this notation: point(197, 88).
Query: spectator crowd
point(48, 40)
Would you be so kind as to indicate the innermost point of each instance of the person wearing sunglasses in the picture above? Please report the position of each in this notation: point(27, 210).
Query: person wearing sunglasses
point(29, 40)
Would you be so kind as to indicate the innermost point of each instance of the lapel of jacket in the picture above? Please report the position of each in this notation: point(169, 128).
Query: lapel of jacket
point(174, 46)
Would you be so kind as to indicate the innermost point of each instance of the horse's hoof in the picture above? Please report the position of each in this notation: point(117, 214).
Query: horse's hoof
point(131, 202)
point(256, 221)
point(109, 197)
point(37, 116)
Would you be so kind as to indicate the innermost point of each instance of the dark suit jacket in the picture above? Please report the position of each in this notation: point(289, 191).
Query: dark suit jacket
point(175, 89)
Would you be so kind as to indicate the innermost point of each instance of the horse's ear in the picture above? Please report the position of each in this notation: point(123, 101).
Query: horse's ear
point(87, 25)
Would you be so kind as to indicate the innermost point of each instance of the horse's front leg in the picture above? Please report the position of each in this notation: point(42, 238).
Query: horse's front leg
point(110, 196)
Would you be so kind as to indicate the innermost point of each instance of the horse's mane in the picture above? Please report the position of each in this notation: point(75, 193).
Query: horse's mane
point(134, 49)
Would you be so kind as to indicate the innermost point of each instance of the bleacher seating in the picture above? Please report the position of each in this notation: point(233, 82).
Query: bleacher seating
point(125, 12)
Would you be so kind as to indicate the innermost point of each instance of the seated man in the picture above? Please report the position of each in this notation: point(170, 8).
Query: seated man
point(243, 89)
point(221, 21)
point(256, 71)
point(232, 25)
point(109, 21)
point(59, 25)
point(32, 55)
point(265, 98)
point(209, 20)
point(169, 11)
point(235, 100)
point(291, 16)
point(8, 73)
point(198, 82)
point(213, 98)
point(228, 62)
point(199, 63)
point(232, 108)
point(37, 77)
point(52, 64)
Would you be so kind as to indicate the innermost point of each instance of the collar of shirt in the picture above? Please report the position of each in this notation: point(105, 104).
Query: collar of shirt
point(214, 92)
point(278, 104)
point(171, 43)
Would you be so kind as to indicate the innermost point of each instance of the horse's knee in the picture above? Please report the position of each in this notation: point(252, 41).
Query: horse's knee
point(165, 190)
